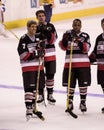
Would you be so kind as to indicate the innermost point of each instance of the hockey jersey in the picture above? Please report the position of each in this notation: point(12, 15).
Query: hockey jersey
point(98, 52)
point(49, 35)
point(80, 49)
point(27, 49)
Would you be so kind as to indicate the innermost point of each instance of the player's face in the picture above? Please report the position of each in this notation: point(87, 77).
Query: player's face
point(32, 29)
point(41, 17)
point(77, 26)
point(102, 25)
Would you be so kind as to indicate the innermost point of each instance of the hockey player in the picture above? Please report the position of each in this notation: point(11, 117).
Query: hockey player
point(97, 55)
point(48, 33)
point(2, 10)
point(80, 69)
point(30, 49)
point(48, 6)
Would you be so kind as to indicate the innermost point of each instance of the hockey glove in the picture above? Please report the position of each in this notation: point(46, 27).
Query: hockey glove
point(73, 34)
point(92, 57)
point(80, 42)
point(31, 56)
point(41, 52)
point(42, 44)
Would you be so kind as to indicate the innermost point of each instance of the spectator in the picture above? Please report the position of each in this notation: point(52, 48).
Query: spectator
point(2, 29)
point(48, 7)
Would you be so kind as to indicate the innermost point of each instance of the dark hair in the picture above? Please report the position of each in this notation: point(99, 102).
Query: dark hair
point(77, 20)
point(102, 21)
point(40, 11)
point(30, 22)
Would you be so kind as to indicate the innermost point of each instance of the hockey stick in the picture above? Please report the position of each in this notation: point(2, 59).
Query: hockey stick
point(68, 88)
point(44, 91)
point(38, 113)
point(10, 31)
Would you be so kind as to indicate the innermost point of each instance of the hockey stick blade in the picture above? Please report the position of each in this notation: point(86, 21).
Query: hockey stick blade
point(39, 115)
point(71, 113)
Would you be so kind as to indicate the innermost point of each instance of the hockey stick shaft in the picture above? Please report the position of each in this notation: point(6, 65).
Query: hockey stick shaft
point(69, 74)
point(37, 84)
point(69, 80)
point(36, 112)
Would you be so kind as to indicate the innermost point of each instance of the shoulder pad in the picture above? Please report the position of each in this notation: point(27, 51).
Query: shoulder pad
point(23, 36)
point(68, 31)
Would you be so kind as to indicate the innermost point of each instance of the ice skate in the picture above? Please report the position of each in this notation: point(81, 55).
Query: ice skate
point(29, 113)
point(69, 110)
point(70, 107)
point(83, 107)
point(50, 99)
point(40, 99)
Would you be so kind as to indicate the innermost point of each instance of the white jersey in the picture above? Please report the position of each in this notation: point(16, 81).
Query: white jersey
point(2, 30)
point(1, 26)
point(2, 10)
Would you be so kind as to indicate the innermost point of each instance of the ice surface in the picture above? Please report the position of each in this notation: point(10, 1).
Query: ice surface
point(12, 108)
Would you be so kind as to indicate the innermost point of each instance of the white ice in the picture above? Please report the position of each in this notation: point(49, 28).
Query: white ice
point(12, 108)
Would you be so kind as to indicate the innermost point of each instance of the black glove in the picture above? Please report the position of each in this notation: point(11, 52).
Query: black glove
point(73, 34)
point(41, 52)
point(32, 56)
point(42, 44)
point(92, 57)
point(79, 41)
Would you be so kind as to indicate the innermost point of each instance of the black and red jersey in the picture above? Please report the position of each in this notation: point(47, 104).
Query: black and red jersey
point(98, 52)
point(81, 45)
point(27, 47)
point(49, 34)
